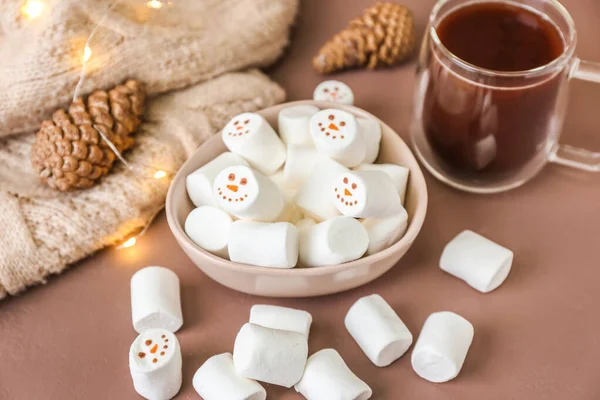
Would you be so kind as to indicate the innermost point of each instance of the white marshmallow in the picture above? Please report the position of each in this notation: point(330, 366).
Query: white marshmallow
point(199, 184)
point(384, 232)
point(216, 380)
point(366, 194)
point(327, 377)
point(335, 241)
point(293, 124)
point(248, 194)
point(335, 92)
point(442, 347)
point(371, 131)
point(264, 244)
point(270, 355)
point(477, 260)
point(335, 133)
point(209, 228)
point(155, 364)
point(291, 213)
point(314, 196)
point(251, 136)
point(398, 174)
point(155, 300)
point(300, 161)
point(288, 192)
point(304, 223)
point(284, 318)
point(378, 330)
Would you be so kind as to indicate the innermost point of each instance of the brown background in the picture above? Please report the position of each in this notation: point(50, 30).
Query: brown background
point(535, 338)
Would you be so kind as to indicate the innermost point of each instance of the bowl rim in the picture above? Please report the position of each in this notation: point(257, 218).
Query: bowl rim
point(415, 224)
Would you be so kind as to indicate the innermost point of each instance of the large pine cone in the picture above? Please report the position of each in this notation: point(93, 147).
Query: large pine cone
point(70, 153)
point(383, 35)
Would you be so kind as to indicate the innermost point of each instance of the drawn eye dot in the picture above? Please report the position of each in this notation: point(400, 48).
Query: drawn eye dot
point(331, 117)
point(243, 181)
point(236, 122)
point(326, 90)
point(343, 123)
point(231, 177)
point(346, 180)
point(246, 122)
point(354, 186)
point(148, 342)
point(141, 354)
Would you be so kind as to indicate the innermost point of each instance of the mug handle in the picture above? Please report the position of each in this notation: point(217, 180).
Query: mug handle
point(572, 156)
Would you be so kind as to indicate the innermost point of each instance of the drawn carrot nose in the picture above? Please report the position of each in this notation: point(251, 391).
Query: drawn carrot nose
point(239, 127)
point(154, 349)
point(347, 192)
point(233, 188)
point(333, 126)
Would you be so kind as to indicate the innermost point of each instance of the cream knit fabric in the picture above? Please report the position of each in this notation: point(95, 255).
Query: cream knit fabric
point(43, 231)
point(172, 47)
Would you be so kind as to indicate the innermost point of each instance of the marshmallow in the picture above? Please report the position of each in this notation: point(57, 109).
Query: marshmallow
point(477, 260)
point(275, 317)
point(216, 380)
point(247, 194)
point(304, 223)
point(209, 228)
point(251, 136)
point(366, 194)
point(199, 184)
point(288, 192)
point(270, 355)
point(291, 213)
point(155, 300)
point(378, 330)
point(300, 161)
point(371, 131)
point(335, 241)
point(384, 232)
point(264, 244)
point(398, 174)
point(155, 364)
point(442, 347)
point(327, 377)
point(335, 92)
point(314, 197)
point(336, 134)
point(293, 124)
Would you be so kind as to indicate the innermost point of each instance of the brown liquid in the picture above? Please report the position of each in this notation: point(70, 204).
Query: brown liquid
point(477, 126)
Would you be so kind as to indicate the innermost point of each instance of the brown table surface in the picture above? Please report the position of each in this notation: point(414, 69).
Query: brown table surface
point(536, 337)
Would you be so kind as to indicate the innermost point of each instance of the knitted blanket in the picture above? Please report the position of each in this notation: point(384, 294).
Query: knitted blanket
point(42, 231)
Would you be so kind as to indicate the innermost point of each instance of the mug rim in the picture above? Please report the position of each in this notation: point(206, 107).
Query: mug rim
point(557, 63)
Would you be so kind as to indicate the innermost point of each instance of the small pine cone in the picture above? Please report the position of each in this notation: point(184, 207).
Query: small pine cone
point(384, 35)
point(71, 152)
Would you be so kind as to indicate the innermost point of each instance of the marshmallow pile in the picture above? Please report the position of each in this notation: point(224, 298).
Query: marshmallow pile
point(310, 195)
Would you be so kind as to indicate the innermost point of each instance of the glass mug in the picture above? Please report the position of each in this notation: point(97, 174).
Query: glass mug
point(487, 130)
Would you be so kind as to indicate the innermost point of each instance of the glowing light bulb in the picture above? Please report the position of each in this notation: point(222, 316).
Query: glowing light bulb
point(154, 4)
point(87, 54)
point(129, 243)
point(160, 174)
point(33, 9)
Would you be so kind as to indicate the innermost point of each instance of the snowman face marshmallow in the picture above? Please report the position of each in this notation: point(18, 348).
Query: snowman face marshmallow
point(236, 185)
point(242, 126)
point(335, 92)
point(153, 349)
point(333, 128)
point(349, 192)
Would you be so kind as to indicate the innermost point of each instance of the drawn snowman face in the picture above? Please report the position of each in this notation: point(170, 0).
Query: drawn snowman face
point(153, 348)
point(335, 92)
point(349, 193)
point(235, 187)
point(333, 128)
point(241, 126)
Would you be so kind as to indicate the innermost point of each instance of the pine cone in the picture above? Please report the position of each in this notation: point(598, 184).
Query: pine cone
point(383, 35)
point(70, 153)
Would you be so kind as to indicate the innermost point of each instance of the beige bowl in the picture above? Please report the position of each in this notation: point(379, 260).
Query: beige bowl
point(299, 282)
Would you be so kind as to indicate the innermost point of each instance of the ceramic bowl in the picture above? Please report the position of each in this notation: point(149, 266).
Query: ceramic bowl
point(299, 282)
